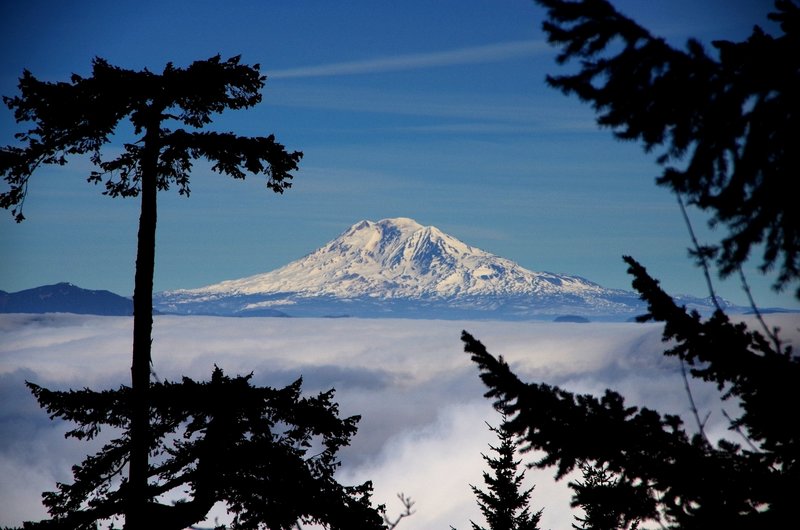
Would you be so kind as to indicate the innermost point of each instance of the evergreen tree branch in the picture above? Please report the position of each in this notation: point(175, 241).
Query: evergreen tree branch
point(246, 446)
point(738, 360)
point(408, 511)
point(741, 433)
point(701, 253)
point(771, 333)
point(652, 456)
point(724, 122)
point(692, 405)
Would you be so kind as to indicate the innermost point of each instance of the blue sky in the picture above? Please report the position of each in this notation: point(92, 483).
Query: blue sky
point(432, 110)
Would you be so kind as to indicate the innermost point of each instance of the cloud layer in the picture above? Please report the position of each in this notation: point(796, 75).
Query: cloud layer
point(423, 415)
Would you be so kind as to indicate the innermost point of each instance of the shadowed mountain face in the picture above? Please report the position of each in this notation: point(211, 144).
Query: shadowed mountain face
point(65, 298)
point(397, 267)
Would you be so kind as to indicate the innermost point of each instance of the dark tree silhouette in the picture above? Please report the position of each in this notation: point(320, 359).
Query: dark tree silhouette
point(726, 125)
point(734, 119)
point(505, 505)
point(269, 454)
point(599, 494)
point(662, 472)
point(231, 454)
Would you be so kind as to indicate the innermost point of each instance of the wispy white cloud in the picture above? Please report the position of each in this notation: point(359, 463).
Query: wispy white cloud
point(507, 115)
point(489, 53)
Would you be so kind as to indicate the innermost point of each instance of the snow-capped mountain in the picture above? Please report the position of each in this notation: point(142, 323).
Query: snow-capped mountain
point(399, 258)
point(397, 267)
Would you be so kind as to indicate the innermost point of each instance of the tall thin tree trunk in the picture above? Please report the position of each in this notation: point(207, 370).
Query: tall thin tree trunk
point(136, 514)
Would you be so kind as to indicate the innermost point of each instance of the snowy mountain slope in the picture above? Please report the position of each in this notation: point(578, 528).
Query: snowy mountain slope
point(397, 267)
point(399, 258)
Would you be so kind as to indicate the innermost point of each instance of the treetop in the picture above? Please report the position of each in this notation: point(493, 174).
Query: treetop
point(80, 116)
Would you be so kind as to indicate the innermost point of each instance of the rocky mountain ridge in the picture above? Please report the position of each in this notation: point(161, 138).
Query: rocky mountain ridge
point(65, 298)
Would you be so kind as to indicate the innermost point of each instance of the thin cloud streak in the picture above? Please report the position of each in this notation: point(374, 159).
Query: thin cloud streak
point(512, 114)
point(490, 53)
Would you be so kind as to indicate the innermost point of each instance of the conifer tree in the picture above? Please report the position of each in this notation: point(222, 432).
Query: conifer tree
point(236, 443)
point(269, 454)
point(723, 123)
point(731, 121)
point(597, 494)
point(505, 504)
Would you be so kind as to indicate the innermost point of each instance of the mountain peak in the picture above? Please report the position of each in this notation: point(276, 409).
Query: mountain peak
point(399, 258)
point(67, 298)
point(373, 234)
point(399, 267)
point(402, 223)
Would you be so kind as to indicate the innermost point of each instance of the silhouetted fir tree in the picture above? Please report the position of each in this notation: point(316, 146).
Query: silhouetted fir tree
point(244, 445)
point(269, 454)
point(730, 121)
point(505, 504)
point(597, 494)
point(663, 472)
point(733, 120)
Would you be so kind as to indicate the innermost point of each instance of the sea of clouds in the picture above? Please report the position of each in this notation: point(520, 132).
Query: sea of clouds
point(423, 425)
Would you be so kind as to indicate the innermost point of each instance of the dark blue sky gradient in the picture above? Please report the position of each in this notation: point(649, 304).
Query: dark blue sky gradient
point(432, 110)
